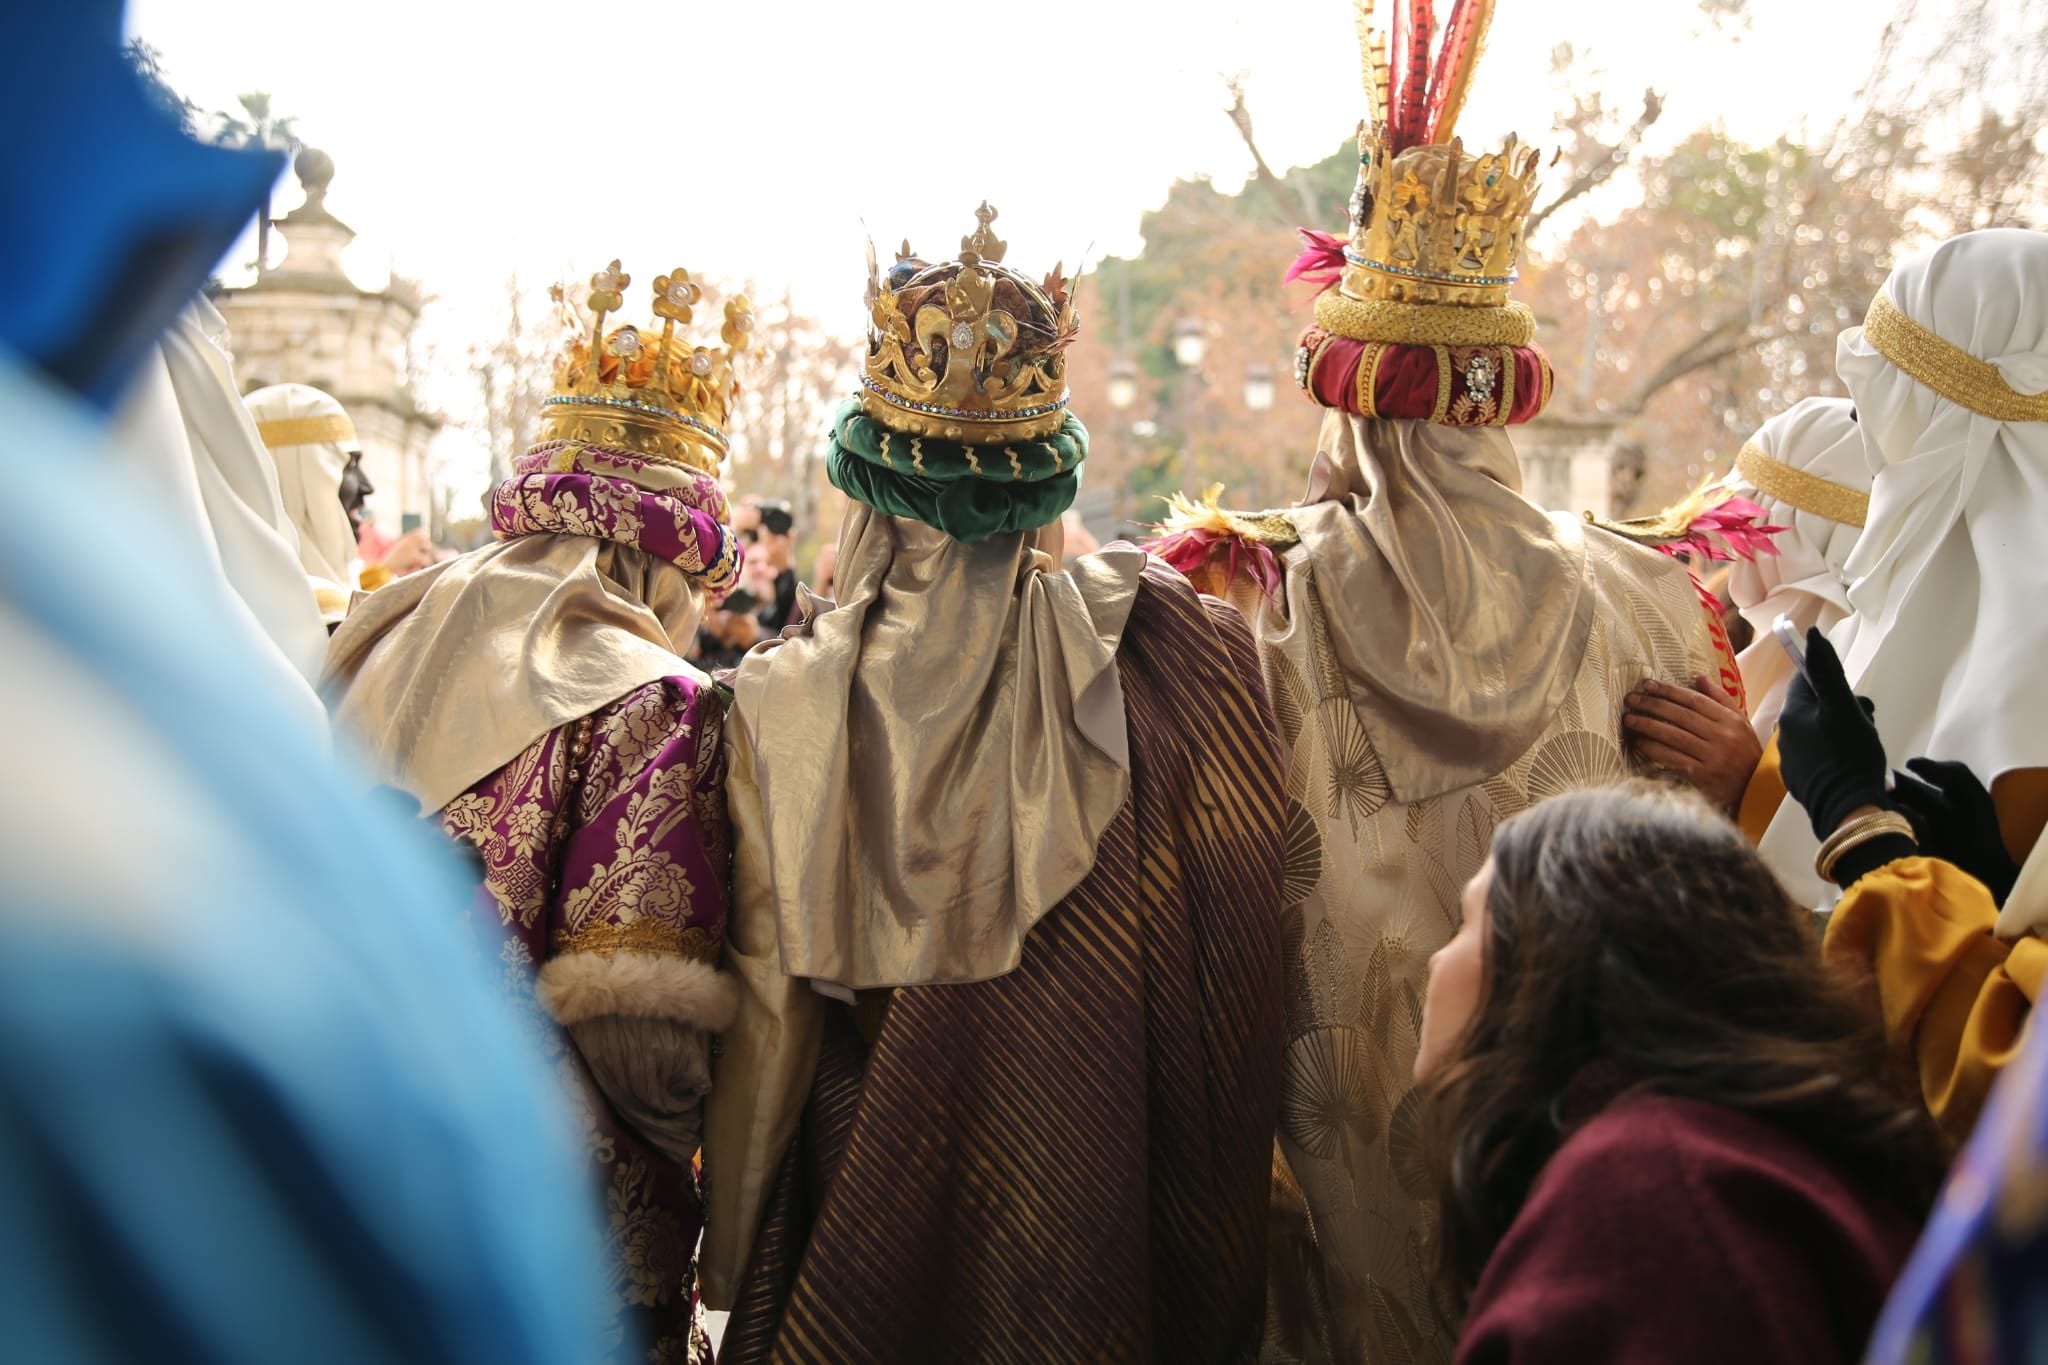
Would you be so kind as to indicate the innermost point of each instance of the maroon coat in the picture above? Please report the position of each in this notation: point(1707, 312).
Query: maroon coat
point(1675, 1231)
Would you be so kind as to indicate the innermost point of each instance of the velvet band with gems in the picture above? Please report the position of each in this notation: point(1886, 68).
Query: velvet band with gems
point(1463, 386)
point(967, 509)
point(940, 460)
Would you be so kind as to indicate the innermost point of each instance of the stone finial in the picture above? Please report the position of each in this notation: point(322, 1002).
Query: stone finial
point(315, 169)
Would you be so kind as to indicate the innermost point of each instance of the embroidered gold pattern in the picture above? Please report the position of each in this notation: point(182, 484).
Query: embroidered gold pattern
point(637, 936)
point(1839, 503)
point(1425, 324)
point(1946, 368)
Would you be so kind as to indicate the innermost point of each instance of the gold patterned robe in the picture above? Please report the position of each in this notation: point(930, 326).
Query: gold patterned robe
point(1418, 598)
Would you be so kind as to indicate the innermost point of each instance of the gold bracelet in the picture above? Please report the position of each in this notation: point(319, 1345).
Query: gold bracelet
point(1854, 834)
point(1856, 831)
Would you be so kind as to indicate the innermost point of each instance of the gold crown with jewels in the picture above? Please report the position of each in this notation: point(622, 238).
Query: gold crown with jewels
point(651, 392)
point(1431, 223)
point(967, 350)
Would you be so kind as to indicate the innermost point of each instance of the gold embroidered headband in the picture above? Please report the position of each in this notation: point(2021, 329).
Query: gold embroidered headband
point(1946, 368)
point(307, 431)
point(1780, 482)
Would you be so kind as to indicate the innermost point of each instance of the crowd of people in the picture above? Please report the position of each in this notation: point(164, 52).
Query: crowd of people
point(1407, 925)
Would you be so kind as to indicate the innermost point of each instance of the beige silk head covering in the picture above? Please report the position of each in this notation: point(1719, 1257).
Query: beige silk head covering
point(444, 676)
point(310, 437)
point(186, 427)
point(935, 758)
point(1949, 374)
point(1806, 468)
point(1458, 610)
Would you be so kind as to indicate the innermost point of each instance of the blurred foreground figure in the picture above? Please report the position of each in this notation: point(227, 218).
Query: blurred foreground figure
point(531, 695)
point(1007, 892)
point(1441, 653)
point(255, 1094)
point(1976, 1290)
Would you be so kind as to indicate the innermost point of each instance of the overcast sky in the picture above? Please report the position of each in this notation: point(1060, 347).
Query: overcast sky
point(755, 138)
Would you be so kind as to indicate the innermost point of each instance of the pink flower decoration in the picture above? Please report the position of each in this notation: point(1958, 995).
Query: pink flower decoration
point(1321, 261)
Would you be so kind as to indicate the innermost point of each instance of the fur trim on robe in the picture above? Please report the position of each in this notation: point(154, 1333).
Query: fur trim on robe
point(580, 986)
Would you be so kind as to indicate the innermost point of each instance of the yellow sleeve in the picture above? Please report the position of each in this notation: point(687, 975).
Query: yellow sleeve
point(1763, 796)
point(1955, 998)
point(2022, 799)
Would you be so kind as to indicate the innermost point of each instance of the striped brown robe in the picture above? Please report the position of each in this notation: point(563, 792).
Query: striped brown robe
point(1069, 1162)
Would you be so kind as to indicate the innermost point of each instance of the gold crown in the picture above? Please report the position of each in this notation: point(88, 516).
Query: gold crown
point(655, 395)
point(967, 350)
point(1429, 223)
point(1434, 225)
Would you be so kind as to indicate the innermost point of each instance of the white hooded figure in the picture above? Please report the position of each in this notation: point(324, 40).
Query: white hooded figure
point(1807, 469)
point(311, 438)
point(184, 425)
point(1949, 374)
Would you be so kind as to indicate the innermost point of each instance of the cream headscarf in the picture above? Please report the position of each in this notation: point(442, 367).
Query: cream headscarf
point(1950, 379)
point(1806, 468)
point(444, 676)
point(185, 423)
point(1458, 610)
point(936, 756)
point(310, 437)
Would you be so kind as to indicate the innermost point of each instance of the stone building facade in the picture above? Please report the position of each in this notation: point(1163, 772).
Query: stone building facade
point(1568, 463)
point(304, 321)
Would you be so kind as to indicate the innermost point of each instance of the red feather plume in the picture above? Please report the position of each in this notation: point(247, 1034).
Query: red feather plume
point(1411, 61)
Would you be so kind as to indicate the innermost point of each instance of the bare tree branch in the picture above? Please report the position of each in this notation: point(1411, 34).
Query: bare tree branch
point(1600, 169)
point(1241, 118)
point(1731, 336)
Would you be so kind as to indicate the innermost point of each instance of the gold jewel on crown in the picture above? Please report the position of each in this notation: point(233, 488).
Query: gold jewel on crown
point(967, 350)
point(653, 393)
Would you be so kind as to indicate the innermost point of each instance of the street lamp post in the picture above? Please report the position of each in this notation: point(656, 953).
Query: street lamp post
point(1190, 347)
point(1258, 388)
point(1123, 384)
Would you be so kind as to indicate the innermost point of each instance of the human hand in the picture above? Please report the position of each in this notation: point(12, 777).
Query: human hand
point(733, 629)
point(1954, 819)
point(410, 553)
point(1700, 733)
point(1829, 751)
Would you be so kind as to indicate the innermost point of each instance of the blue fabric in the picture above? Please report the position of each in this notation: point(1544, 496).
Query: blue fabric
point(110, 217)
point(1976, 1290)
point(279, 1111)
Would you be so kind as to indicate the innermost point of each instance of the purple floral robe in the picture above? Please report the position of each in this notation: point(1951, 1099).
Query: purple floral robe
point(604, 838)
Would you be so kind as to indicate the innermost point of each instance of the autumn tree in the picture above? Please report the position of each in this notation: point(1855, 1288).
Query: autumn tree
point(792, 380)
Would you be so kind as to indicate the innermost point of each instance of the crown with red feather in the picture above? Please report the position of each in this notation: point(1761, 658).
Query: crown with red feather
point(1414, 319)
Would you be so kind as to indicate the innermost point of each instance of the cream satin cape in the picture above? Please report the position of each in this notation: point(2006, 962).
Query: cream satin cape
point(915, 779)
point(444, 676)
point(185, 425)
point(1458, 610)
point(1948, 582)
point(938, 754)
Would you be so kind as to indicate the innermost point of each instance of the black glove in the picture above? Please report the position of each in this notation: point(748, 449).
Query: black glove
point(1829, 752)
point(1954, 819)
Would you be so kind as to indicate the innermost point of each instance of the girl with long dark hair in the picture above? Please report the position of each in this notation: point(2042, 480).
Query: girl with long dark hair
point(1662, 1130)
